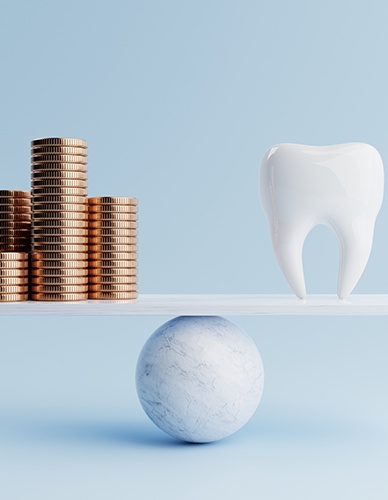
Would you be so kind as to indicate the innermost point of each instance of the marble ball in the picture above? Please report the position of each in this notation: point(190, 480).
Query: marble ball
point(199, 378)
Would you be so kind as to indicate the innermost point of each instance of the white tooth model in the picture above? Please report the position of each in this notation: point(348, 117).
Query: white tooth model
point(340, 186)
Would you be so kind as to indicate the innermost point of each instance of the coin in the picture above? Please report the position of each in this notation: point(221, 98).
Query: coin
point(112, 247)
point(14, 194)
point(112, 287)
point(58, 158)
point(21, 209)
point(111, 231)
point(13, 297)
point(60, 231)
point(63, 207)
point(13, 256)
point(58, 174)
point(66, 191)
point(13, 288)
point(79, 258)
point(112, 271)
point(69, 240)
point(60, 167)
point(15, 233)
point(59, 288)
point(39, 224)
point(118, 224)
point(13, 264)
point(59, 297)
point(58, 264)
point(15, 225)
point(113, 256)
point(61, 215)
point(58, 199)
point(12, 216)
point(60, 271)
point(113, 279)
point(117, 240)
point(112, 209)
point(9, 272)
point(15, 202)
point(13, 280)
point(112, 200)
point(59, 141)
point(63, 150)
point(58, 182)
point(14, 239)
point(58, 247)
point(112, 216)
point(110, 264)
point(14, 248)
point(113, 295)
point(59, 280)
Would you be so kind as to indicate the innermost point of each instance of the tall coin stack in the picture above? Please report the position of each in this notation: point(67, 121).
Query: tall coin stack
point(112, 248)
point(59, 265)
point(15, 221)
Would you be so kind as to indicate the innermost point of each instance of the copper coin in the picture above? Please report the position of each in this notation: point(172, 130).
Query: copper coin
point(59, 288)
point(59, 297)
point(58, 199)
point(15, 248)
point(98, 209)
point(109, 231)
point(64, 216)
point(112, 271)
point(58, 174)
point(95, 280)
point(12, 216)
point(58, 158)
point(15, 202)
point(20, 209)
point(14, 239)
point(58, 247)
point(39, 224)
point(118, 224)
point(59, 280)
point(13, 288)
point(13, 280)
point(112, 295)
point(60, 231)
point(60, 272)
point(99, 264)
point(112, 216)
point(63, 150)
point(59, 141)
point(62, 207)
point(13, 297)
point(13, 264)
point(14, 194)
point(64, 191)
point(111, 200)
point(112, 255)
point(5, 256)
point(9, 272)
point(117, 240)
point(113, 287)
point(58, 182)
point(65, 256)
point(15, 233)
point(60, 167)
point(112, 247)
point(68, 240)
point(59, 264)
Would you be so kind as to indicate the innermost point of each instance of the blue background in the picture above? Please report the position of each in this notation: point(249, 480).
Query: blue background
point(178, 101)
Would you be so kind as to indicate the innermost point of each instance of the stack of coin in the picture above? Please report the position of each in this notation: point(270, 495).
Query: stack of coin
point(13, 276)
point(112, 248)
point(15, 221)
point(59, 266)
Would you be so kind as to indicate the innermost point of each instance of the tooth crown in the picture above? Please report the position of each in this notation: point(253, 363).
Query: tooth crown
point(340, 186)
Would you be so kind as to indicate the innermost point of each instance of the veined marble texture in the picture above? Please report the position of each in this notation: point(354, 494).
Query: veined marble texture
point(199, 378)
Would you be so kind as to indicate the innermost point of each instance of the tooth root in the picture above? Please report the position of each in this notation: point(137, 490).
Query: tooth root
point(288, 242)
point(355, 246)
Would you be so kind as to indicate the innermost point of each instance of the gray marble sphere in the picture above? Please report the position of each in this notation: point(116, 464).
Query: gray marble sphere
point(199, 378)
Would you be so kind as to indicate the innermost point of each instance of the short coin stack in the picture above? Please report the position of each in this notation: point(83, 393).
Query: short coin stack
point(15, 221)
point(112, 248)
point(13, 276)
point(59, 265)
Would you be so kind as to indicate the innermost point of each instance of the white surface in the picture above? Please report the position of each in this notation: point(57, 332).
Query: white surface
point(339, 186)
point(208, 305)
point(199, 379)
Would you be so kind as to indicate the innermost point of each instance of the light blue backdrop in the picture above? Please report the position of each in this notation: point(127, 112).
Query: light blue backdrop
point(178, 101)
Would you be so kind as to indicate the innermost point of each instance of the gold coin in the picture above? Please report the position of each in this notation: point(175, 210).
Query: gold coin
point(59, 199)
point(111, 231)
point(13, 288)
point(64, 191)
point(107, 264)
point(59, 141)
point(13, 280)
point(60, 167)
point(112, 295)
point(111, 200)
point(117, 240)
point(112, 247)
point(63, 150)
point(59, 297)
point(58, 247)
point(54, 207)
point(67, 257)
point(39, 224)
point(59, 280)
point(112, 216)
point(68, 240)
point(12, 216)
point(61, 215)
point(58, 158)
point(37, 272)
point(112, 256)
point(5, 256)
point(5, 193)
point(59, 289)
point(17, 273)
point(118, 224)
point(13, 297)
point(20, 209)
point(98, 209)
point(112, 279)
point(58, 174)
point(101, 272)
point(60, 231)
point(58, 182)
